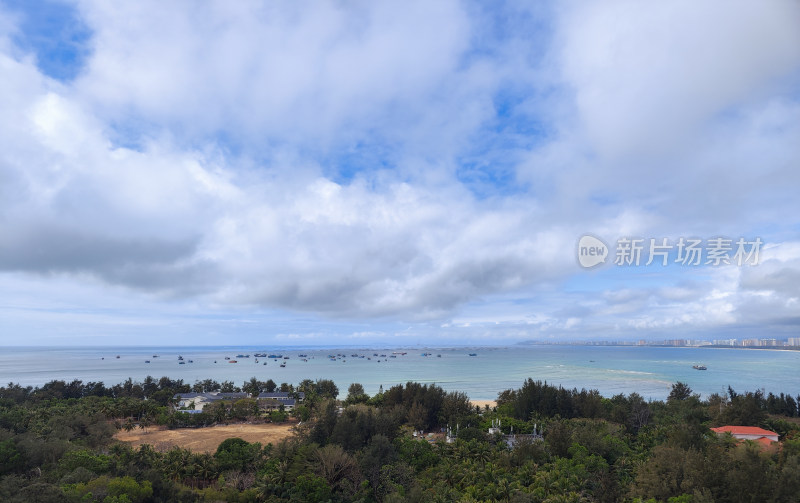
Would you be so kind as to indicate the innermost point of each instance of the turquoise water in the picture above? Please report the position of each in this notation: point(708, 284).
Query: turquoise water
point(649, 371)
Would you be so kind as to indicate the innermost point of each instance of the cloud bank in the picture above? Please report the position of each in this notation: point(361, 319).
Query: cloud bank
point(414, 164)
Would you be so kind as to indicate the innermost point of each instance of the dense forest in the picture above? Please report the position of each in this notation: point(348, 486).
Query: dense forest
point(57, 445)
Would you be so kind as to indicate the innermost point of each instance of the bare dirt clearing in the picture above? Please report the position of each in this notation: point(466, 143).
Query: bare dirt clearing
point(205, 439)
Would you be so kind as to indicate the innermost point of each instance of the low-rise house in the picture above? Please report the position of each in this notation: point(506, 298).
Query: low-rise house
point(273, 400)
point(754, 433)
point(283, 395)
point(270, 404)
point(198, 401)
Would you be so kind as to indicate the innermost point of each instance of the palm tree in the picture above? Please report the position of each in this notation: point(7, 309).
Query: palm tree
point(206, 469)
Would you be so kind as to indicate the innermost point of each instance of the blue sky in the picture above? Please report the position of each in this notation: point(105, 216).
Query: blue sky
point(393, 173)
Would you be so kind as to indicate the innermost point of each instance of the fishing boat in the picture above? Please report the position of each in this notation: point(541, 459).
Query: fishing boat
point(473, 354)
point(147, 361)
point(699, 367)
point(181, 363)
point(232, 361)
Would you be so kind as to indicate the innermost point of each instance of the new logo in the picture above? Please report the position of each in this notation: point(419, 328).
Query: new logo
point(591, 251)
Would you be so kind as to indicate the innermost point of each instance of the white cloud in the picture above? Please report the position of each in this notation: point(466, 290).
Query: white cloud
point(648, 77)
point(251, 157)
point(283, 74)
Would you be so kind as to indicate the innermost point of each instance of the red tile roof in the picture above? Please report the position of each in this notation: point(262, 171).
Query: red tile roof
point(743, 430)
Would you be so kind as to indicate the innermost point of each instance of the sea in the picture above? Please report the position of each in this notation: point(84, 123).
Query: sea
point(647, 370)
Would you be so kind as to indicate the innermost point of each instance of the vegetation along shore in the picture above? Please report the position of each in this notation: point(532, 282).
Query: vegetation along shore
point(167, 440)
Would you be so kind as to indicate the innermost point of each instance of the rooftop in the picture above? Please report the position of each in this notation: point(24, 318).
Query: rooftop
point(743, 430)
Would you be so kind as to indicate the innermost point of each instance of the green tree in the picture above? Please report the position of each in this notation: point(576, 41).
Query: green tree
point(312, 489)
point(326, 388)
point(11, 458)
point(356, 394)
point(244, 408)
point(237, 454)
point(680, 391)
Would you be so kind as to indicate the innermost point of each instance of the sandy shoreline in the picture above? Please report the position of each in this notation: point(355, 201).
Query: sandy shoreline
point(483, 403)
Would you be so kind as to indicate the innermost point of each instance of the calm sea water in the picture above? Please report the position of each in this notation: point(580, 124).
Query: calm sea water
point(649, 371)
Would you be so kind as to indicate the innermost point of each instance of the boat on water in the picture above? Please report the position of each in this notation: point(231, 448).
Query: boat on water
point(147, 361)
point(181, 363)
point(260, 355)
point(283, 364)
point(117, 356)
point(180, 358)
point(232, 361)
point(699, 367)
point(438, 356)
point(473, 354)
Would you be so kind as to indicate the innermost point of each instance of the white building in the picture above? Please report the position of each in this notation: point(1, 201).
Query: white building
point(198, 401)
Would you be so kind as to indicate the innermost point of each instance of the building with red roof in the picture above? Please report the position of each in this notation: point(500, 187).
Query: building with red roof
point(760, 435)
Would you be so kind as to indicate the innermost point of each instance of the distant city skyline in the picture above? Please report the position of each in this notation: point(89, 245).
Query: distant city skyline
point(398, 174)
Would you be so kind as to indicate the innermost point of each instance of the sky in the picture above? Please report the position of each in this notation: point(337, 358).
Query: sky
point(395, 173)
